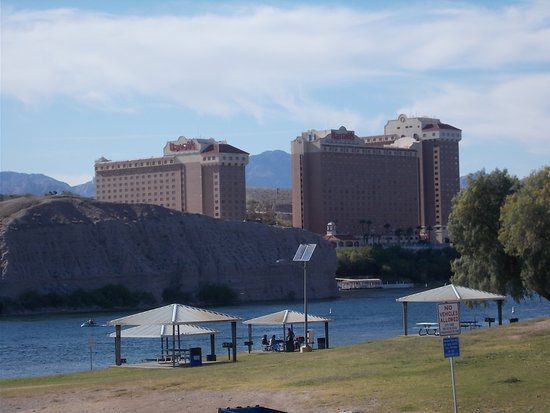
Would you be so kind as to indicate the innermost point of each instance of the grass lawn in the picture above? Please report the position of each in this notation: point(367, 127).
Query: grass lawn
point(504, 369)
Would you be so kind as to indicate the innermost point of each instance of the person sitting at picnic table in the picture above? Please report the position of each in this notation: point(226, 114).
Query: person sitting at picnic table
point(265, 343)
point(274, 343)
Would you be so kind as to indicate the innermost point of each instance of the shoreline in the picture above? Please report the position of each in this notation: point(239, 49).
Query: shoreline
point(397, 374)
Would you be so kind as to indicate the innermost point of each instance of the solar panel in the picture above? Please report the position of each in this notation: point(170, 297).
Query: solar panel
point(304, 252)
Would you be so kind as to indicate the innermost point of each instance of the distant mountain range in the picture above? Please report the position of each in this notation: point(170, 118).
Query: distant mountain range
point(270, 169)
point(16, 183)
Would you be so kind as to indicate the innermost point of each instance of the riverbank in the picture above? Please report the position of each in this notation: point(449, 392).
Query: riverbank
point(500, 369)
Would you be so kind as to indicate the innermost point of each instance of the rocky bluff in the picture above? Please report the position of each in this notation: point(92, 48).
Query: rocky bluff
point(61, 244)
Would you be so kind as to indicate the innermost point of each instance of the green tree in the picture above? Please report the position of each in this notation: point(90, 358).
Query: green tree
point(525, 231)
point(474, 225)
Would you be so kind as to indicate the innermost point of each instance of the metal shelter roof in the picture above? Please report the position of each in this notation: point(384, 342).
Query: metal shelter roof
point(285, 317)
point(156, 331)
point(451, 293)
point(173, 314)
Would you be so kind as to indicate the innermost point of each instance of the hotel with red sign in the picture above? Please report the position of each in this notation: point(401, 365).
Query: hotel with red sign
point(194, 175)
point(403, 179)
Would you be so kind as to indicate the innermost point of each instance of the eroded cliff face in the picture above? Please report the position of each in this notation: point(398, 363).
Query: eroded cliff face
point(60, 244)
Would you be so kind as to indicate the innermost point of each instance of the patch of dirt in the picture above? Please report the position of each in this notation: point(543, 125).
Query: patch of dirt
point(519, 330)
point(137, 400)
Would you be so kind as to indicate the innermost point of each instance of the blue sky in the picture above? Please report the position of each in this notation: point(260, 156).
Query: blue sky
point(85, 79)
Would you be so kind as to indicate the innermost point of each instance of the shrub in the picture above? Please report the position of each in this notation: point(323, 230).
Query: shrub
point(174, 294)
point(216, 294)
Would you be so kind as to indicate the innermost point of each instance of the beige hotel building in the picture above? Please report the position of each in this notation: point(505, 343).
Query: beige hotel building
point(405, 178)
point(201, 176)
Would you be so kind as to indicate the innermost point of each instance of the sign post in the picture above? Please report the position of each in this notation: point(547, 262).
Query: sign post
point(91, 344)
point(448, 317)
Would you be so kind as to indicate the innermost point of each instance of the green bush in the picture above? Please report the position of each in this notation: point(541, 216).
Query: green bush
point(216, 294)
point(110, 296)
point(397, 264)
point(173, 294)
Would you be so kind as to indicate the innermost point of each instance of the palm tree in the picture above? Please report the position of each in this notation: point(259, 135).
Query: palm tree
point(363, 222)
point(387, 227)
point(409, 234)
point(398, 232)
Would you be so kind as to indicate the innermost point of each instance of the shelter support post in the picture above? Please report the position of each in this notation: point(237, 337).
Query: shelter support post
point(118, 347)
point(173, 345)
point(499, 307)
point(326, 334)
point(179, 338)
point(405, 318)
point(212, 345)
point(249, 338)
point(234, 339)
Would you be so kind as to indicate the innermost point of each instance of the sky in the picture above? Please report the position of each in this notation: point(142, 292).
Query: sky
point(86, 79)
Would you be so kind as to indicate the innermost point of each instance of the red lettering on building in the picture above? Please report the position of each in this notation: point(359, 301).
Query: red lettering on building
point(189, 146)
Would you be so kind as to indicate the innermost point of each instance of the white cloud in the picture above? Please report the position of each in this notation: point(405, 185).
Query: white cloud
point(263, 61)
point(72, 179)
point(513, 108)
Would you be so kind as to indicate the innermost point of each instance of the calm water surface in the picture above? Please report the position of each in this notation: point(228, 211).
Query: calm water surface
point(53, 344)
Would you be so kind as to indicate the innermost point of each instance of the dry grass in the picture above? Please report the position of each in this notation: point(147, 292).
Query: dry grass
point(501, 369)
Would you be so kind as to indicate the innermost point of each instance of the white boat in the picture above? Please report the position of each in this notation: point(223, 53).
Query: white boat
point(358, 283)
point(89, 323)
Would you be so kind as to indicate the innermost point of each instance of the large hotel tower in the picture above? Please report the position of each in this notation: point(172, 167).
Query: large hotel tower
point(194, 175)
point(403, 179)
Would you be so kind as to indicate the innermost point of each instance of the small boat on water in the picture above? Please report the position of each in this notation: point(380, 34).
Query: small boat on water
point(368, 283)
point(358, 283)
point(89, 323)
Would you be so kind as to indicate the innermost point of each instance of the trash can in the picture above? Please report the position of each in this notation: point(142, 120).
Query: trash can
point(321, 343)
point(195, 356)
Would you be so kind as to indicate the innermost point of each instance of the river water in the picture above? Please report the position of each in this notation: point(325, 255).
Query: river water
point(54, 344)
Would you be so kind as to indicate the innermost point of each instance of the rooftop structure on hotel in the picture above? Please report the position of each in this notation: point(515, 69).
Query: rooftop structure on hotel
point(194, 175)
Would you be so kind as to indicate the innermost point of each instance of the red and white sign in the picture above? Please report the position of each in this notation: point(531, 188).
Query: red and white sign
point(448, 317)
point(182, 147)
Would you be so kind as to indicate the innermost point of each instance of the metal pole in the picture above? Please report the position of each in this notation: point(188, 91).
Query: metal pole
point(305, 304)
point(173, 345)
point(405, 318)
point(118, 349)
point(499, 307)
point(234, 339)
point(454, 385)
